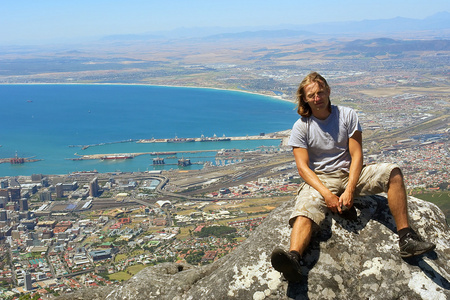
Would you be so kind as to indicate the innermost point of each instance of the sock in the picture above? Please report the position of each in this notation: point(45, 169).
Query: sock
point(403, 232)
point(296, 255)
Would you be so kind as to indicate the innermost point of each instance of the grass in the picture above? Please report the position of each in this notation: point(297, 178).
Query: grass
point(184, 232)
point(120, 257)
point(120, 276)
point(135, 269)
point(125, 275)
point(441, 199)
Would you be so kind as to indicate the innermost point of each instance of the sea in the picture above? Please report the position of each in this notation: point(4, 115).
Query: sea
point(51, 123)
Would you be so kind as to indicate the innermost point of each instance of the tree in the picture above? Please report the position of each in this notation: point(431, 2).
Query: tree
point(217, 231)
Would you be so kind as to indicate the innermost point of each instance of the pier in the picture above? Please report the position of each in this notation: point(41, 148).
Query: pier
point(262, 136)
point(219, 152)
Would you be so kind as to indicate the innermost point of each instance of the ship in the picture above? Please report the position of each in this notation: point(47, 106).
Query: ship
point(214, 139)
point(163, 153)
point(180, 140)
point(16, 160)
point(117, 156)
point(184, 162)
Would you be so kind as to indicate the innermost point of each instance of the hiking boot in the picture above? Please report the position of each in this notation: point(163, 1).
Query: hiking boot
point(287, 264)
point(350, 213)
point(411, 245)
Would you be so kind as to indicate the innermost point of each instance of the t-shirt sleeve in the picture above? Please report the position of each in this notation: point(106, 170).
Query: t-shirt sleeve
point(298, 136)
point(353, 123)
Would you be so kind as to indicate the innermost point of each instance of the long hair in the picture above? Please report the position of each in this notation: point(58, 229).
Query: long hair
point(303, 107)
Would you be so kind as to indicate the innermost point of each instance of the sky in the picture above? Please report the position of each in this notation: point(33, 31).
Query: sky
point(23, 21)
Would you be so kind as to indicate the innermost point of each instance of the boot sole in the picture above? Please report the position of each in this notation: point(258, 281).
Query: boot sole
point(283, 264)
point(407, 254)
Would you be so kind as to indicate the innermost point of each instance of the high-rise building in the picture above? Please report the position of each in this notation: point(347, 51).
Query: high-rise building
point(3, 201)
point(23, 204)
point(59, 190)
point(4, 193)
point(4, 183)
point(45, 196)
point(93, 187)
point(28, 284)
point(36, 177)
point(3, 215)
point(14, 193)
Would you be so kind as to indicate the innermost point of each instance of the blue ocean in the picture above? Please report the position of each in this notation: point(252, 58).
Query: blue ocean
point(50, 123)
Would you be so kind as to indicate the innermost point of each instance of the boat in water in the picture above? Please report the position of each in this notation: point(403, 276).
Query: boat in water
point(180, 140)
point(163, 153)
point(214, 139)
point(117, 156)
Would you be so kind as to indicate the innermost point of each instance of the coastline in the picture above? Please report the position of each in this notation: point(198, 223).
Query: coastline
point(52, 149)
point(155, 85)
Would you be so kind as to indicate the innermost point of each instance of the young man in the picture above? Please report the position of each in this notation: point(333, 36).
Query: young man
point(327, 146)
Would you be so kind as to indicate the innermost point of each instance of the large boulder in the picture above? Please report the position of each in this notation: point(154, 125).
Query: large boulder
point(346, 260)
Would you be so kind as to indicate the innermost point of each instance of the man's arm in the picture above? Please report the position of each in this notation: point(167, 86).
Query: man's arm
point(356, 153)
point(302, 161)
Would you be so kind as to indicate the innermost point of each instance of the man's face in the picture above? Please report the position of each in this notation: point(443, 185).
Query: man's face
point(317, 96)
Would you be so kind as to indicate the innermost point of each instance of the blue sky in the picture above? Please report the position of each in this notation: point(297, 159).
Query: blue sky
point(24, 21)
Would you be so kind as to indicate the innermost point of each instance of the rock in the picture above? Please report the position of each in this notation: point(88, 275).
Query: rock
point(346, 260)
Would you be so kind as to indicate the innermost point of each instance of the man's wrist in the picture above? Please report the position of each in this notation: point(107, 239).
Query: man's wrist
point(350, 190)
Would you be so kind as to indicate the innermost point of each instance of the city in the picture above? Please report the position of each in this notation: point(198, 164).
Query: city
point(65, 232)
point(60, 233)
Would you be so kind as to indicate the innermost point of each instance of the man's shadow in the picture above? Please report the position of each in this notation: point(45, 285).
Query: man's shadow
point(377, 210)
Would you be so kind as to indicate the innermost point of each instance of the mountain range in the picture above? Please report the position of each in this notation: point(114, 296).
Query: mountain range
point(437, 25)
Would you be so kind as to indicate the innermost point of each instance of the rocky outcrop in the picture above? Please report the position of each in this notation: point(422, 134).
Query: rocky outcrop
point(346, 260)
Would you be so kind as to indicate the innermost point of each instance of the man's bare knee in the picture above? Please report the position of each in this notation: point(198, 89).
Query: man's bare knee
point(396, 177)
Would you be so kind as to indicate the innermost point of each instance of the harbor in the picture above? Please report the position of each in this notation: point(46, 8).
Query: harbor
point(127, 155)
point(214, 138)
point(122, 156)
point(196, 144)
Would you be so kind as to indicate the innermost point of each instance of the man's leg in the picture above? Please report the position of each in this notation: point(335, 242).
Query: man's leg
point(308, 203)
point(288, 263)
point(301, 234)
point(410, 243)
point(397, 199)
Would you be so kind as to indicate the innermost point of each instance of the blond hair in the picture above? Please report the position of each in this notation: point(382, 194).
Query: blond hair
point(303, 107)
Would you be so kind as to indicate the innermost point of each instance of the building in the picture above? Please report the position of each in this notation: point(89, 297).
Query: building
point(93, 187)
point(36, 177)
point(45, 196)
point(3, 201)
point(14, 193)
point(4, 194)
point(209, 256)
point(97, 255)
point(59, 190)
point(3, 215)
point(4, 183)
point(28, 284)
point(23, 204)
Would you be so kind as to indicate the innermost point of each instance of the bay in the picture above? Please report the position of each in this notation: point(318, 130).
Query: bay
point(44, 121)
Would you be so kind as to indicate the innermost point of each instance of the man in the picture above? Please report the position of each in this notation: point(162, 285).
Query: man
point(327, 146)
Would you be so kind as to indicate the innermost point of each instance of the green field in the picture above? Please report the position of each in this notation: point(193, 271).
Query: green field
point(125, 275)
point(441, 199)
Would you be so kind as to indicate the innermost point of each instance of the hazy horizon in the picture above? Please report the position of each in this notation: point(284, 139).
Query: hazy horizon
point(26, 21)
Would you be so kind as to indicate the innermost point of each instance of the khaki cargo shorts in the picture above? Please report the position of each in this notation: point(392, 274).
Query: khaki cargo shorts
point(309, 203)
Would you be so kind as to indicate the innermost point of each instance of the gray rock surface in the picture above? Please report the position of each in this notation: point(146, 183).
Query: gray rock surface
point(346, 260)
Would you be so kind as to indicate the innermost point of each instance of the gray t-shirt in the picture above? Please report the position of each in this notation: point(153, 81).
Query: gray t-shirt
point(326, 140)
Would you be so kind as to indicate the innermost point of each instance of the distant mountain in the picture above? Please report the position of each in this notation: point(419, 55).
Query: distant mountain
point(391, 45)
point(131, 37)
point(438, 23)
point(261, 34)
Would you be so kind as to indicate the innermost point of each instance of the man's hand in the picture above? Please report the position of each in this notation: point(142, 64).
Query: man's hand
point(346, 199)
point(333, 203)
